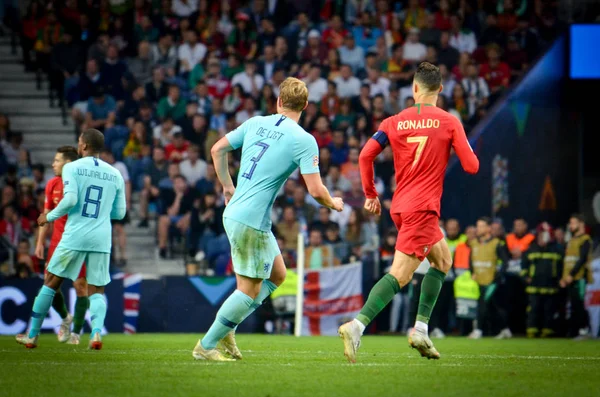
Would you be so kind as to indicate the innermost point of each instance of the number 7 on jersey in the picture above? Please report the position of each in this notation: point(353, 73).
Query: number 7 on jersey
point(421, 141)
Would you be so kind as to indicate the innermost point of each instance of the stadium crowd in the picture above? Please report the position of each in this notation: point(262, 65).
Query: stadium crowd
point(164, 80)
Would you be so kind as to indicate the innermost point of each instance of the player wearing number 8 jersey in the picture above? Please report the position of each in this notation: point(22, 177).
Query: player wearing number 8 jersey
point(94, 193)
point(272, 148)
point(421, 138)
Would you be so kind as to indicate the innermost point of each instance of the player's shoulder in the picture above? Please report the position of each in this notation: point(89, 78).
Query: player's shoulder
point(53, 182)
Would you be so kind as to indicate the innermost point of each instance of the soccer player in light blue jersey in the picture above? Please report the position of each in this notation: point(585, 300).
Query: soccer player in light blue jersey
point(272, 148)
point(94, 193)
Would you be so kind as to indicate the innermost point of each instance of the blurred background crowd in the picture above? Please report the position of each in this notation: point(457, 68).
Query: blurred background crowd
point(165, 79)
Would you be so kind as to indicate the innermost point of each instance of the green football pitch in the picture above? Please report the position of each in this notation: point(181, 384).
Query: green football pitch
point(162, 365)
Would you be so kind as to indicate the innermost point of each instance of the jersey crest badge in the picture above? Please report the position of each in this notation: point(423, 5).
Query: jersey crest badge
point(315, 161)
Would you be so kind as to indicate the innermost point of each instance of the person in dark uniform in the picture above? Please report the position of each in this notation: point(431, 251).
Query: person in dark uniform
point(576, 274)
point(542, 268)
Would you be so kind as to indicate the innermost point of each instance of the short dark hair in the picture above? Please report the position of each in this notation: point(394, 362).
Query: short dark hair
point(39, 167)
point(579, 217)
point(486, 219)
point(94, 139)
point(68, 152)
point(428, 76)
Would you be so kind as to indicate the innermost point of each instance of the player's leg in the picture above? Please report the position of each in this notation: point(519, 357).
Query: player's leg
point(58, 303)
point(57, 271)
point(98, 276)
point(82, 304)
point(228, 343)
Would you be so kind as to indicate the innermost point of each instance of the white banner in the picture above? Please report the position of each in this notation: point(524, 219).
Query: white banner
point(332, 296)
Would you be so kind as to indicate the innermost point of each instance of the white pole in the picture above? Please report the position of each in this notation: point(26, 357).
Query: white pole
point(300, 286)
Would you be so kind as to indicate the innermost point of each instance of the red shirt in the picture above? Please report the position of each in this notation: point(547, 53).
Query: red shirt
point(54, 193)
point(170, 149)
point(496, 77)
point(421, 138)
point(323, 139)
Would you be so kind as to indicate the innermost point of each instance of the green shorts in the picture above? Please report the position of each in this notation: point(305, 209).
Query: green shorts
point(66, 263)
point(252, 251)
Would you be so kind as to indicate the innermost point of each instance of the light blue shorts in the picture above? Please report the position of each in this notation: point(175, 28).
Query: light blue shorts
point(66, 263)
point(252, 251)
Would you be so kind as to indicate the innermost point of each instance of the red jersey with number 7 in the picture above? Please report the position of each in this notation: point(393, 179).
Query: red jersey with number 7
point(54, 193)
point(421, 138)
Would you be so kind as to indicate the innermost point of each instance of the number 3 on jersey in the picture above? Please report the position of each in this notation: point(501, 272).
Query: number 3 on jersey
point(93, 194)
point(255, 159)
point(421, 141)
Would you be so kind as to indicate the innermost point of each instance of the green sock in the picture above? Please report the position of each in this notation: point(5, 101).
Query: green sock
point(381, 294)
point(59, 304)
point(81, 305)
point(98, 312)
point(430, 290)
point(41, 305)
point(231, 313)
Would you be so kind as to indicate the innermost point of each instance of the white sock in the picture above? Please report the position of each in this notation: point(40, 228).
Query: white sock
point(360, 326)
point(421, 326)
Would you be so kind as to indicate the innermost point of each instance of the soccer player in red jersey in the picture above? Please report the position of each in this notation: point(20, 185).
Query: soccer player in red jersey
point(421, 138)
point(54, 193)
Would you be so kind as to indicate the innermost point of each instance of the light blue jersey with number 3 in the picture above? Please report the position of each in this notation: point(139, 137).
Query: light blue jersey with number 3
point(99, 188)
point(272, 148)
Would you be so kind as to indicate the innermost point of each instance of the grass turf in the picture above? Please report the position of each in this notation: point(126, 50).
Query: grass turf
point(162, 364)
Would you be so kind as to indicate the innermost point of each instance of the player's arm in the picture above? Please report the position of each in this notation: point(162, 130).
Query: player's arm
point(120, 203)
point(584, 251)
point(462, 148)
point(44, 230)
point(306, 155)
point(70, 191)
point(368, 154)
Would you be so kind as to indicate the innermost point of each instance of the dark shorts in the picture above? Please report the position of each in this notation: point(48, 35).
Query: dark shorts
point(417, 232)
point(123, 221)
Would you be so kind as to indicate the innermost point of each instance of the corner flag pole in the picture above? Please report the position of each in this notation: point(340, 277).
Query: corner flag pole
point(300, 286)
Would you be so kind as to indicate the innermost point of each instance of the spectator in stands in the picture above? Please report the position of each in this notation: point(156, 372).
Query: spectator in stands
point(378, 85)
point(146, 117)
point(177, 149)
point(118, 226)
point(413, 50)
point(248, 111)
point(354, 233)
point(39, 176)
point(476, 91)
point(414, 16)
point(193, 168)
point(460, 70)
point(242, 39)
point(268, 64)
point(202, 98)
point(459, 102)
point(141, 66)
point(267, 34)
point(516, 58)
point(461, 38)
point(315, 50)
point(190, 53)
point(335, 180)
point(430, 35)
point(527, 37)
point(318, 255)
point(317, 86)
point(113, 71)
point(347, 85)
point(447, 54)
point(164, 53)
point(131, 106)
point(184, 8)
point(207, 237)
point(333, 238)
point(492, 33)
point(145, 30)
point(397, 70)
point(354, 196)
point(218, 86)
point(338, 148)
point(13, 227)
point(84, 89)
point(350, 169)
point(250, 81)
point(176, 207)
point(289, 228)
point(304, 211)
point(335, 33)
point(101, 110)
point(323, 221)
point(352, 55)
point(65, 63)
point(495, 72)
point(157, 88)
point(173, 105)
point(24, 257)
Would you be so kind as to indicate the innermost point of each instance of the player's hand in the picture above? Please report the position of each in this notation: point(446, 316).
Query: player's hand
point(228, 193)
point(39, 251)
point(338, 204)
point(42, 220)
point(373, 206)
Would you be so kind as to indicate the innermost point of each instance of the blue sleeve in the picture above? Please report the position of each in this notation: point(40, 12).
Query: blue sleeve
point(382, 138)
point(306, 155)
point(120, 204)
point(236, 137)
